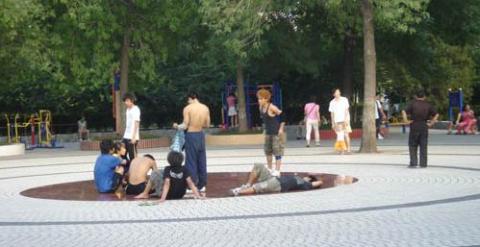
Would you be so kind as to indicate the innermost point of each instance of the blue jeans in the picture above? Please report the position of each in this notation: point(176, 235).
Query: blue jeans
point(196, 158)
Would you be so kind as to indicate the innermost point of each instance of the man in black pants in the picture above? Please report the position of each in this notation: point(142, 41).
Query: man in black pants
point(132, 126)
point(420, 111)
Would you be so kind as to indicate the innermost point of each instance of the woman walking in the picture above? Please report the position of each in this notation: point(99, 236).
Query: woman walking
point(312, 120)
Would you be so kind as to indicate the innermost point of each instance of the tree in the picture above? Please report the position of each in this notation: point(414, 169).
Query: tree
point(369, 140)
point(237, 26)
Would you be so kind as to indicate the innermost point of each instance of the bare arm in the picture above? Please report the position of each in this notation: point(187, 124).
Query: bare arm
point(404, 116)
point(194, 189)
point(186, 117)
point(207, 119)
point(332, 118)
point(317, 184)
point(166, 188)
point(154, 165)
point(274, 109)
point(433, 120)
point(459, 117)
point(136, 129)
point(318, 114)
point(347, 116)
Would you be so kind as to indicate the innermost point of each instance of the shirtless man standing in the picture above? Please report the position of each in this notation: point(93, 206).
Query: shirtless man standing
point(137, 174)
point(196, 116)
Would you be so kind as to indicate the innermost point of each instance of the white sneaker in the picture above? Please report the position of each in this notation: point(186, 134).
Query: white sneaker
point(275, 173)
point(235, 192)
point(380, 137)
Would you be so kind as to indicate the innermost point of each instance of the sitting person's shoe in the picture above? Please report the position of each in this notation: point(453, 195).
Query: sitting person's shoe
point(275, 173)
point(245, 186)
point(235, 192)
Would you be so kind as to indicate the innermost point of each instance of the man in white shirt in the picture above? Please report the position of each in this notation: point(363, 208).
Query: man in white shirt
point(378, 120)
point(339, 111)
point(132, 125)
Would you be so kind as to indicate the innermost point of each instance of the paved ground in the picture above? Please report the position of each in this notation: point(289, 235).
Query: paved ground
point(389, 206)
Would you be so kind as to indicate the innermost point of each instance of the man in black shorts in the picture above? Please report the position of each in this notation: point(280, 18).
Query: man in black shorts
point(261, 181)
point(138, 174)
point(420, 111)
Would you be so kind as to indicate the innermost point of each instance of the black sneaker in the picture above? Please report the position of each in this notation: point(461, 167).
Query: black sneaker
point(412, 166)
point(423, 166)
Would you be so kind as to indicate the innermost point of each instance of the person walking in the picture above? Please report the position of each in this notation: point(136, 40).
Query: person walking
point(420, 112)
point(312, 120)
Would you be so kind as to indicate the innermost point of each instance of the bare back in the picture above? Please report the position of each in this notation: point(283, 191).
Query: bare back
point(139, 169)
point(196, 116)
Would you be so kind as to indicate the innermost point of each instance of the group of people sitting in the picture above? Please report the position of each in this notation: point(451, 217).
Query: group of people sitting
point(113, 173)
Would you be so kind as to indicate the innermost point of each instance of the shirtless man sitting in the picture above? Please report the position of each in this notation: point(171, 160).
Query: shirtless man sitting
point(196, 117)
point(138, 172)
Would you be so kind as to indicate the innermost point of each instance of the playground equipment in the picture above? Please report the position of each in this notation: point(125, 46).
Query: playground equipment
point(455, 99)
point(250, 100)
point(40, 125)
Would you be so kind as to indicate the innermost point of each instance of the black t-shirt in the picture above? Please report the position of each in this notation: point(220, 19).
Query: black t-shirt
point(420, 111)
point(178, 182)
point(293, 182)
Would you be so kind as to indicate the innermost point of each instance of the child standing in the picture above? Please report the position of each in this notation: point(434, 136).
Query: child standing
point(274, 130)
point(340, 146)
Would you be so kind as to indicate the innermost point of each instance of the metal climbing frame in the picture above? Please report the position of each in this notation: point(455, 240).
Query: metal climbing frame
point(250, 99)
point(455, 99)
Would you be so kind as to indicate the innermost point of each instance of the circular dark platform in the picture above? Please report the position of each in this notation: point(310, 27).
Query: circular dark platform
point(218, 186)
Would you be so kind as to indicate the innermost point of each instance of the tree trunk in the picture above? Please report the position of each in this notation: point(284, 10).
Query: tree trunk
point(348, 47)
point(123, 78)
point(369, 140)
point(242, 109)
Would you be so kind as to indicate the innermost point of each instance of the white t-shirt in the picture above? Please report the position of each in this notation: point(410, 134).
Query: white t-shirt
point(378, 106)
point(133, 115)
point(339, 108)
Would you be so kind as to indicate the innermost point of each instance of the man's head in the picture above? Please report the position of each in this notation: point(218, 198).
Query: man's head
point(175, 159)
point(150, 158)
point(420, 94)
point(310, 178)
point(129, 99)
point(336, 93)
point(263, 96)
point(119, 148)
point(192, 97)
point(106, 146)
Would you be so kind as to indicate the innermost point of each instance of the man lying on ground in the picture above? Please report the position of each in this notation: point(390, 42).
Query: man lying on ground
point(108, 171)
point(138, 174)
point(261, 181)
point(176, 179)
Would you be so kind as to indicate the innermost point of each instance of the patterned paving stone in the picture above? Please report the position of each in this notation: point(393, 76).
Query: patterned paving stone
point(389, 206)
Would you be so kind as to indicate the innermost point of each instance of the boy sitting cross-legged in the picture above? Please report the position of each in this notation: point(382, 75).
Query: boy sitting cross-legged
point(176, 179)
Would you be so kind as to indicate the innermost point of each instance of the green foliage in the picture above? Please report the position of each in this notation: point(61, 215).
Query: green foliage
point(60, 54)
